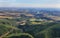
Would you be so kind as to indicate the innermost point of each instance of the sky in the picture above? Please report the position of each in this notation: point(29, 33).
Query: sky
point(30, 3)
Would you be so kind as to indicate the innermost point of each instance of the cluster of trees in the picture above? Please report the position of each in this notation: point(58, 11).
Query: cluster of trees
point(40, 31)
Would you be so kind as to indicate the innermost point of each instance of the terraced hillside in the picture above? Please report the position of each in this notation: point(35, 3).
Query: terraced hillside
point(9, 29)
point(6, 27)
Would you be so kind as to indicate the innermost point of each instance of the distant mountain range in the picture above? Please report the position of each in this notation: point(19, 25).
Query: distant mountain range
point(50, 11)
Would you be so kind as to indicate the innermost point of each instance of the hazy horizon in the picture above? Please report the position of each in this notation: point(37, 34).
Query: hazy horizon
point(30, 3)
